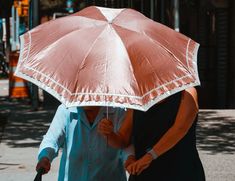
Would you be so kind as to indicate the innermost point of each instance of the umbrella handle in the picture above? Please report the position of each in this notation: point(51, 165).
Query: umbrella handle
point(38, 177)
point(107, 112)
point(107, 117)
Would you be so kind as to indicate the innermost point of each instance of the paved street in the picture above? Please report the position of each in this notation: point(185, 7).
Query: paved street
point(216, 143)
point(21, 131)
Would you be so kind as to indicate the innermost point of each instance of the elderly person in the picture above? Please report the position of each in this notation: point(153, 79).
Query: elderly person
point(86, 155)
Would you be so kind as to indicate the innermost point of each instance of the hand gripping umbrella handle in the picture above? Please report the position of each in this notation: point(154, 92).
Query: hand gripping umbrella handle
point(38, 177)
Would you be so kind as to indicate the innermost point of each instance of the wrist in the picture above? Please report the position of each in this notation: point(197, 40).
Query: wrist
point(45, 159)
point(153, 154)
point(131, 157)
point(149, 156)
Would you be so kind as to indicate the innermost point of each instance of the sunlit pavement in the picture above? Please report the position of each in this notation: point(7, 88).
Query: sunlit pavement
point(216, 143)
point(21, 131)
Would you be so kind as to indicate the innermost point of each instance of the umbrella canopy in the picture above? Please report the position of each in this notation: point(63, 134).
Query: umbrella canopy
point(108, 57)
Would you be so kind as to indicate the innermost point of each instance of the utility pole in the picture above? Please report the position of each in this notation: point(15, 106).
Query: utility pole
point(33, 22)
point(142, 6)
point(130, 4)
point(105, 3)
point(176, 16)
point(162, 15)
point(152, 9)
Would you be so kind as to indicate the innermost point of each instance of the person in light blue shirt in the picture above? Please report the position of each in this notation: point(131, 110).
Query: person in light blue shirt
point(86, 155)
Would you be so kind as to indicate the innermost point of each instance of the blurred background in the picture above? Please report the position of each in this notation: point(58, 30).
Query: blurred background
point(26, 110)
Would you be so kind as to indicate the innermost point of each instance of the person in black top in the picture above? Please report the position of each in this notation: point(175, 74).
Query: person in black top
point(164, 140)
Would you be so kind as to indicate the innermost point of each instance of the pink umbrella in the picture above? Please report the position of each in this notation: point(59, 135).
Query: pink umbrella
point(108, 57)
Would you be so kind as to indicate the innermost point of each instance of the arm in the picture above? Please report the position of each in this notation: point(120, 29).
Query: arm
point(128, 155)
point(121, 138)
point(53, 139)
point(185, 117)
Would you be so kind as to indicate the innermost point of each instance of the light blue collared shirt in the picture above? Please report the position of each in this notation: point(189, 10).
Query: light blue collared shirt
point(86, 155)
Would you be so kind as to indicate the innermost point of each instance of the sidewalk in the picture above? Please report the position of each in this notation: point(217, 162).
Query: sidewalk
point(216, 143)
point(19, 143)
point(24, 130)
point(21, 131)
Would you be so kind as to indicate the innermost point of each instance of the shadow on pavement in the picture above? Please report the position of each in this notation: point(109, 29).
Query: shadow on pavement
point(25, 128)
point(22, 127)
point(216, 132)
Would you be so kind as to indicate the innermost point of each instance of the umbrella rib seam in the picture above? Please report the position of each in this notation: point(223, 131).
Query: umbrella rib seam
point(119, 14)
point(92, 45)
point(187, 54)
point(54, 42)
point(127, 54)
point(168, 51)
point(29, 46)
point(154, 41)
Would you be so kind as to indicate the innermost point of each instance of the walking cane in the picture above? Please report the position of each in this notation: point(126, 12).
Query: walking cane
point(39, 174)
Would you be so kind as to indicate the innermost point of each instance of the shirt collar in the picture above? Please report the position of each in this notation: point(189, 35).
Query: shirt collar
point(73, 109)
